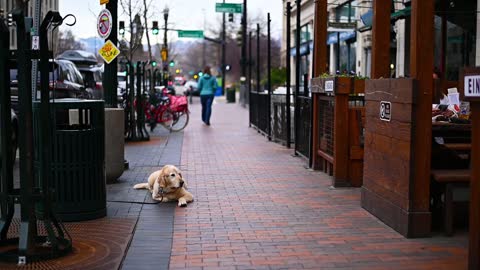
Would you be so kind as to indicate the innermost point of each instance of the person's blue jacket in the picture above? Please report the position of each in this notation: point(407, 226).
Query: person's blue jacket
point(207, 85)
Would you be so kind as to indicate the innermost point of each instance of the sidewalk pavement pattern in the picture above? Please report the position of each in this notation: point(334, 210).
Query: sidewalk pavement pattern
point(257, 207)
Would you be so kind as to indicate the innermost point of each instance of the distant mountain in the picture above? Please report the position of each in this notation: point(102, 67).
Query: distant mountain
point(92, 44)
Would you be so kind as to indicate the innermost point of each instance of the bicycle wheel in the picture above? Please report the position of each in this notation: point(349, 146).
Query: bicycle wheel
point(180, 120)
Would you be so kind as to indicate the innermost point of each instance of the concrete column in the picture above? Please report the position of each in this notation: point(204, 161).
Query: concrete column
point(333, 62)
point(400, 68)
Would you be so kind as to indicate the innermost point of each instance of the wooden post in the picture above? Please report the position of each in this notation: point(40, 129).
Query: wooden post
point(467, 79)
point(381, 39)
point(474, 239)
point(319, 67)
point(421, 66)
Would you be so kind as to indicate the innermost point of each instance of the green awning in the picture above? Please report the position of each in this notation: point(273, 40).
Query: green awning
point(368, 17)
point(401, 14)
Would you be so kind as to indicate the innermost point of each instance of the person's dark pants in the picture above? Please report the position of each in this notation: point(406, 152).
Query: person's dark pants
point(207, 101)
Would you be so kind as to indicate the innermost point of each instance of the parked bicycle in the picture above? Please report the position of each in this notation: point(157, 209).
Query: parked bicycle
point(170, 111)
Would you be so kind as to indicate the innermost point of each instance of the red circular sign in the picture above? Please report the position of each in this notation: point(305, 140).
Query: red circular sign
point(104, 23)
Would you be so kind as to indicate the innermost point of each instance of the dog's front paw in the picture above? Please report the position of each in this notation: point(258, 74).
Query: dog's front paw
point(182, 203)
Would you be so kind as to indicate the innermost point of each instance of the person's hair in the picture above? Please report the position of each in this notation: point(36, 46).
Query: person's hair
point(206, 70)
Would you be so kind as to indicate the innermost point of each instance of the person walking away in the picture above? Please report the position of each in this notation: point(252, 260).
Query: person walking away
point(207, 85)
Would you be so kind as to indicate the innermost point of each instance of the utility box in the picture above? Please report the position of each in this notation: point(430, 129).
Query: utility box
point(77, 155)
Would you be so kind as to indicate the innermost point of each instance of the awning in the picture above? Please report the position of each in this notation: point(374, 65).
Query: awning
point(401, 14)
point(367, 17)
point(305, 49)
point(346, 35)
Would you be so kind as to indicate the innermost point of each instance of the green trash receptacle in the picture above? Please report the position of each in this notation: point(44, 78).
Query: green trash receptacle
point(77, 149)
point(231, 95)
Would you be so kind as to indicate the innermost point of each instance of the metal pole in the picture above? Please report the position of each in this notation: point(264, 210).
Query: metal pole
point(165, 44)
point(288, 67)
point(269, 78)
point(110, 80)
point(223, 54)
point(297, 72)
point(243, 59)
point(244, 40)
point(6, 181)
point(258, 79)
point(250, 61)
point(36, 25)
point(258, 57)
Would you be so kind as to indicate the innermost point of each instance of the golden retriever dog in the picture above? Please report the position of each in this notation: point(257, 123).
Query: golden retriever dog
point(167, 185)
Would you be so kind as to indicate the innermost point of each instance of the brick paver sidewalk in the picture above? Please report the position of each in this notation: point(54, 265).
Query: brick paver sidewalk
point(257, 207)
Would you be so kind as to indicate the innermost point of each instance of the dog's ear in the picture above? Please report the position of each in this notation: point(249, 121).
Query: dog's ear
point(162, 177)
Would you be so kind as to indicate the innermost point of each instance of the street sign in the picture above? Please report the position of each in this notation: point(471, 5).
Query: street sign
point(104, 23)
point(472, 86)
point(343, 25)
point(109, 51)
point(35, 43)
point(329, 85)
point(385, 111)
point(190, 33)
point(164, 54)
point(104, 2)
point(228, 8)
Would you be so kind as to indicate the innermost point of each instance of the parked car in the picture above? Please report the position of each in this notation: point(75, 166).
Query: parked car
point(66, 81)
point(191, 88)
point(14, 138)
point(93, 78)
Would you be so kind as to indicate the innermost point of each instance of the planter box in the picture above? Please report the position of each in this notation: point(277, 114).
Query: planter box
point(358, 86)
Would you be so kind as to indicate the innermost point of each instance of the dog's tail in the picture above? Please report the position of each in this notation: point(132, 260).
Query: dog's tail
point(141, 186)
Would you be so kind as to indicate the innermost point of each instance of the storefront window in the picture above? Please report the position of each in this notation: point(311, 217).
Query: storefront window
point(346, 12)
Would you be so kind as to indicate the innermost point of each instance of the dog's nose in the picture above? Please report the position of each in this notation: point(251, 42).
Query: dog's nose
point(181, 183)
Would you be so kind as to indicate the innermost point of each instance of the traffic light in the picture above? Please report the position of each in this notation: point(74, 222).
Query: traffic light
point(239, 37)
point(177, 71)
point(155, 28)
point(228, 67)
point(154, 63)
point(121, 28)
point(172, 63)
point(230, 17)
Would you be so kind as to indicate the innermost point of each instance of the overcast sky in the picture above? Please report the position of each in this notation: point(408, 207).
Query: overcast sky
point(184, 14)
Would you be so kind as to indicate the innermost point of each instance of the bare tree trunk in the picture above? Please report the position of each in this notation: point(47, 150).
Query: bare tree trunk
point(145, 11)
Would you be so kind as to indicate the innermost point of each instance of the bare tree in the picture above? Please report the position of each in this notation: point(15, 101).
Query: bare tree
point(66, 41)
point(132, 9)
point(145, 18)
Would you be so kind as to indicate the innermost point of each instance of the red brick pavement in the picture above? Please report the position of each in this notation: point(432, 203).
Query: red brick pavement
point(256, 207)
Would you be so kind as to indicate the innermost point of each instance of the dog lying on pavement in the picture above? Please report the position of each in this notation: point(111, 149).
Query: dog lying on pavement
point(167, 185)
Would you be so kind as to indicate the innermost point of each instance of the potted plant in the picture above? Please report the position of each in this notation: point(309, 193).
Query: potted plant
point(359, 85)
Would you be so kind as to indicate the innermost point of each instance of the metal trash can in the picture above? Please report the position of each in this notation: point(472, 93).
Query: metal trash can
point(77, 158)
point(230, 95)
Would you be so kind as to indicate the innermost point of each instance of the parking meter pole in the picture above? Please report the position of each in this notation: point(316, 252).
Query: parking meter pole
point(6, 185)
point(28, 228)
point(110, 80)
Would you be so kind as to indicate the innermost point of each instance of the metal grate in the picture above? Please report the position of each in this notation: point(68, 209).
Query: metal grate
point(304, 125)
point(97, 244)
point(263, 118)
point(279, 119)
point(326, 106)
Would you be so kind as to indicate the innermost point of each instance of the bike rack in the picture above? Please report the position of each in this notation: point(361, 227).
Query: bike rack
point(136, 130)
point(31, 244)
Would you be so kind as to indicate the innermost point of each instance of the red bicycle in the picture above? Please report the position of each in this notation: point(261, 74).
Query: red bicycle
point(171, 111)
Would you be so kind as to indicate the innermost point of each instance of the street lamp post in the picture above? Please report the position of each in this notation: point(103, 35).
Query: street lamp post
point(165, 45)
